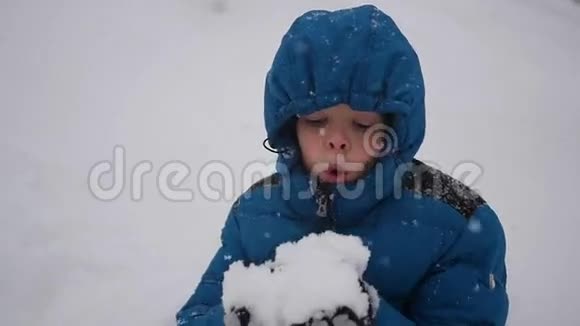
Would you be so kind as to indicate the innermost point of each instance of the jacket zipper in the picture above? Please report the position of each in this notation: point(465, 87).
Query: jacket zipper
point(324, 198)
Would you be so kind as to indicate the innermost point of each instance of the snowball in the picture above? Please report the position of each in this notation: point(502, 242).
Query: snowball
point(311, 277)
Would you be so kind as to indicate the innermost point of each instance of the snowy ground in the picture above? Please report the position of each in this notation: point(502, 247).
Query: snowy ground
point(183, 80)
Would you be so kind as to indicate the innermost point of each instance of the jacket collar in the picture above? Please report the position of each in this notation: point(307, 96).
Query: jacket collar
point(340, 205)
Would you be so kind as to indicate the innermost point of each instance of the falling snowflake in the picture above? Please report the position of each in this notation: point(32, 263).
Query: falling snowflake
point(385, 261)
point(474, 225)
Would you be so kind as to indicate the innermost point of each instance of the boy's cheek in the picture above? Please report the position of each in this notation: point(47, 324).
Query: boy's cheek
point(309, 161)
point(362, 154)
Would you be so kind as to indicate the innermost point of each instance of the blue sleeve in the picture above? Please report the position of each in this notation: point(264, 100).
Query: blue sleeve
point(204, 307)
point(467, 286)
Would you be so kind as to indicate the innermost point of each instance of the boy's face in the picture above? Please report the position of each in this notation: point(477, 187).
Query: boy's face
point(335, 143)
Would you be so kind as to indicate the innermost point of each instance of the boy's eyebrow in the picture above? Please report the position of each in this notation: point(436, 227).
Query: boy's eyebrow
point(363, 116)
point(366, 116)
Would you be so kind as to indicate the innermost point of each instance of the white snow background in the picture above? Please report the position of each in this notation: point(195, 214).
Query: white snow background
point(183, 80)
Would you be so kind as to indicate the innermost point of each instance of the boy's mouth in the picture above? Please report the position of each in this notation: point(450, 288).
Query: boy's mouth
point(337, 172)
point(334, 174)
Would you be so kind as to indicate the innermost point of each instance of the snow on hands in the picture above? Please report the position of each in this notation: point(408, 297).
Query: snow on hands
point(310, 278)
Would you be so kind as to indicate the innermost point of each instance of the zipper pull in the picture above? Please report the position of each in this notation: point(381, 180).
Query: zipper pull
point(321, 196)
point(322, 201)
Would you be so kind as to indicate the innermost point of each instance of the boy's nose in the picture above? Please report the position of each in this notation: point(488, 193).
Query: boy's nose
point(338, 142)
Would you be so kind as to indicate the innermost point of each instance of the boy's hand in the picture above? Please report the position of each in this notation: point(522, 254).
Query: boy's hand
point(238, 317)
point(345, 316)
point(342, 316)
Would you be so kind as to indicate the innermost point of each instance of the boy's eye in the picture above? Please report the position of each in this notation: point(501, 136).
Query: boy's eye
point(361, 126)
point(316, 122)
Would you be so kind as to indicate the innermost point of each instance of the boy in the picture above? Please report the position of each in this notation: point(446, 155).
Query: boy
point(437, 248)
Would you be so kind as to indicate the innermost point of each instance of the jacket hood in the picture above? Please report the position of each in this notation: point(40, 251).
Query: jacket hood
point(354, 56)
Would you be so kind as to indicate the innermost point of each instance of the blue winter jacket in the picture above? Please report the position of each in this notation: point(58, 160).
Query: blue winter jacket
point(437, 248)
